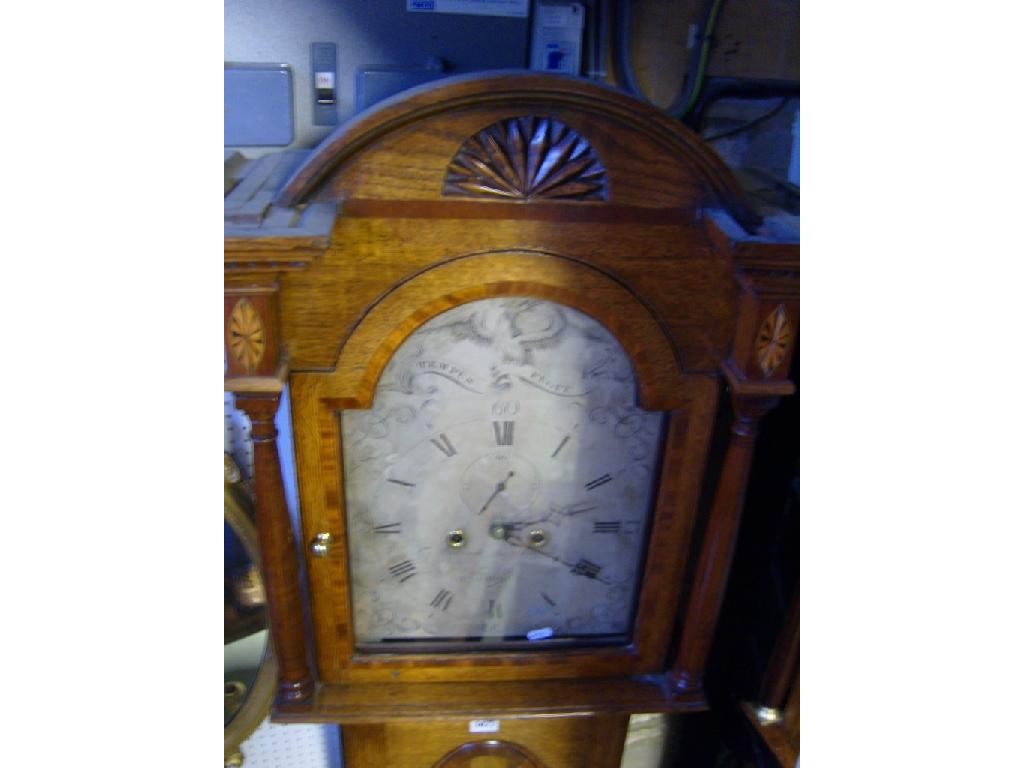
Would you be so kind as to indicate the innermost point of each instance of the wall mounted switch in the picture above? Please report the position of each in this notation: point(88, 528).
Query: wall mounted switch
point(325, 83)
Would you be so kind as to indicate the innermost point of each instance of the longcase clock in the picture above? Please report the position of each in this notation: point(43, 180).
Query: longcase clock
point(504, 308)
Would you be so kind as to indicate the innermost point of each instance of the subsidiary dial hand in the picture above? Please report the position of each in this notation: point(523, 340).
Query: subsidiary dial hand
point(497, 489)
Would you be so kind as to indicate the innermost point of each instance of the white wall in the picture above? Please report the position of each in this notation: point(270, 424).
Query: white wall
point(369, 34)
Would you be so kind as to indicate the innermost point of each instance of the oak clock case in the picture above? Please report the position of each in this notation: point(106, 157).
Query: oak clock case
point(501, 309)
point(498, 493)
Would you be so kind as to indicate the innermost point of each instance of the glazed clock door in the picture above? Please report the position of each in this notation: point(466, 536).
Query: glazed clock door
point(499, 491)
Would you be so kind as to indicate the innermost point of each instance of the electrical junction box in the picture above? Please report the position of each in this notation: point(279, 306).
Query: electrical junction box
point(257, 105)
point(557, 37)
point(373, 85)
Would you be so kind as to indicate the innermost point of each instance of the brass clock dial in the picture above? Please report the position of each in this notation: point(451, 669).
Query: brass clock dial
point(499, 490)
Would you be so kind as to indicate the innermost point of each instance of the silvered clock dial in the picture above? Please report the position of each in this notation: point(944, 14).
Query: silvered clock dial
point(499, 490)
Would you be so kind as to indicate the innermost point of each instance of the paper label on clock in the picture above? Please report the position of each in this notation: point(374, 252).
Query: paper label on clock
point(540, 634)
point(483, 726)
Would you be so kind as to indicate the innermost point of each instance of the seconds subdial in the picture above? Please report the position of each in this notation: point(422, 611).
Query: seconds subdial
point(499, 483)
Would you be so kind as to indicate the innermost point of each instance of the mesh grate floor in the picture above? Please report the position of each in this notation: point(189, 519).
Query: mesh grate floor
point(274, 745)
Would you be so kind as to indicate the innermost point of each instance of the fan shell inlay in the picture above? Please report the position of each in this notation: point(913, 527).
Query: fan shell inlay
point(246, 339)
point(773, 341)
point(527, 158)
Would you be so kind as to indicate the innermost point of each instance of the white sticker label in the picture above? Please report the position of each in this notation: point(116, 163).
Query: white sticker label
point(483, 726)
point(540, 634)
point(520, 8)
point(559, 16)
point(323, 79)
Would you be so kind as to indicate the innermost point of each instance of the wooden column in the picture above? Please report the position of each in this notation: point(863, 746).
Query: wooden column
point(711, 576)
point(757, 370)
point(277, 549)
point(257, 372)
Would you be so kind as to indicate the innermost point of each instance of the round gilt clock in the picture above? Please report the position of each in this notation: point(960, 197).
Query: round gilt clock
point(501, 308)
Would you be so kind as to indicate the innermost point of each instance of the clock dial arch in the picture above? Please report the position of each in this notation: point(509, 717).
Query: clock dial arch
point(499, 490)
point(653, 349)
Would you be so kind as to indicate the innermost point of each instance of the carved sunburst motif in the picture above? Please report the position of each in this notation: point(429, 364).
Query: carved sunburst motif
point(526, 158)
point(245, 335)
point(773, 341)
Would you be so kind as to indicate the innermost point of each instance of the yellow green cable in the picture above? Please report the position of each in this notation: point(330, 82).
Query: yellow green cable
point(705, 49)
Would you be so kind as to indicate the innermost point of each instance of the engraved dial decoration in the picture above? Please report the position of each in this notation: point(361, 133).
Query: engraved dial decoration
point(499, 491)
point(245, 335)
point(773, 341)
point(526, 158)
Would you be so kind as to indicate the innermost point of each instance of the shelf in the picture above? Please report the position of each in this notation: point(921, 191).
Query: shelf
point(407, 701)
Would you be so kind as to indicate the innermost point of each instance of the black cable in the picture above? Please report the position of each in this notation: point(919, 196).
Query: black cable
point(751, 124)
point(718, 88)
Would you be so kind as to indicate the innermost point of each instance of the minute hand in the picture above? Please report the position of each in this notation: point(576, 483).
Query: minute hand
point(572, 509)
point(573, 567)
point(577, 509)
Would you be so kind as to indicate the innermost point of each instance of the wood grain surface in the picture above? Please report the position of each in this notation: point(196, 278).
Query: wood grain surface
point(464, 700)
point(370, 259)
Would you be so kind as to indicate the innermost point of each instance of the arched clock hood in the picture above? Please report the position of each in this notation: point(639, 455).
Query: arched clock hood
point(649, 159)
point(478, 188)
